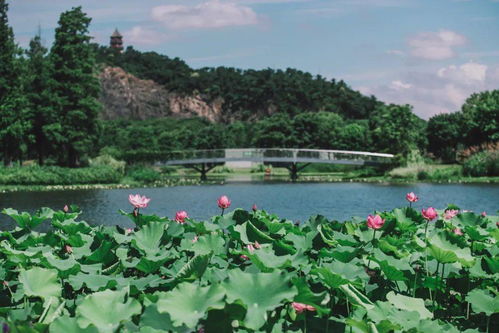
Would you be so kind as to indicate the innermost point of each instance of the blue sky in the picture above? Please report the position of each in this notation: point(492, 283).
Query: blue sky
point(431, 54)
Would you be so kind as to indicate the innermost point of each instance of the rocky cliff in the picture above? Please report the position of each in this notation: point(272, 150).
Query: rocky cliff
point(125, 96)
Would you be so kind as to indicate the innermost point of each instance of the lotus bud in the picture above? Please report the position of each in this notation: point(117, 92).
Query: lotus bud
point(180, 216)
point(429, 213)
point(411, 197)
point(375, 222)
point(450, 213)
point(223, 202)
point(300, 307)
point(66, 208)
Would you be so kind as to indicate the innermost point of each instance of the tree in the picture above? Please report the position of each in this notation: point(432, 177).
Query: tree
point(444, 133)
point(75, 86)
point(38, 94)
point(395, 129)
point(13, 122)
point(481, 118)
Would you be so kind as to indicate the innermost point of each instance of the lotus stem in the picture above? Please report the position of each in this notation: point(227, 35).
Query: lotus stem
point(414, 288)
point(488, 323)
point(442, 279)
point(372, 242)
point(436, 291)
point(222, 212)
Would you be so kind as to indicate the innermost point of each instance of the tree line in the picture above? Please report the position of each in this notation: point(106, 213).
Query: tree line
point(50, 112)
point(48, 99)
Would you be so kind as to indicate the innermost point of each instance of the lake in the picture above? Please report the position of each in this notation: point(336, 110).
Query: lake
point(293, 201)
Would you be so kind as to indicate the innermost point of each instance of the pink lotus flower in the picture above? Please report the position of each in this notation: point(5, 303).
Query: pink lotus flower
point(484, 214)
point(458, 232)
point(68, 249)
point(181, 216)
point(300, 307)
point(138, 201)
point(450, 213)
point(244, 257)
point(430, 213)
point(375, 222)
point(250, 248)
point(223, 202)
point(411, 197)
point(257, 245)
point(5, 283)
point(195, 239)
point(128, 231)
point(254, 208)
point(66, 208)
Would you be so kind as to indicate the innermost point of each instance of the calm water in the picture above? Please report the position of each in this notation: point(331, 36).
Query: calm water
point(294, 201)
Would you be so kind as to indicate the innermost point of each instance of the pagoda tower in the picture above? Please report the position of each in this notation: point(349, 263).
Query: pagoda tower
point(116, 40)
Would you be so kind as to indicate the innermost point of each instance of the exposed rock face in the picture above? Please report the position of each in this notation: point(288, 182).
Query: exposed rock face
point(125, 96)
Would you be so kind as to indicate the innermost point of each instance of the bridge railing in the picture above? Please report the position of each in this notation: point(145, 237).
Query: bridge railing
point(286, 154)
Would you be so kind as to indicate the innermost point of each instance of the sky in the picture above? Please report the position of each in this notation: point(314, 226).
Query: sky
point(431, 54)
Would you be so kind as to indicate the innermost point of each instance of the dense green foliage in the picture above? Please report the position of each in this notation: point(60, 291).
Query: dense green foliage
point(484, 163)
point(14, 121)
point(74, 86)
point(37, 175)
point(476, 124)
point(241, 272)
point(247, 94)
point(44, 120)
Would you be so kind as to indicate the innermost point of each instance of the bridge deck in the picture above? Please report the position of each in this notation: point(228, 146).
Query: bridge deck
point(274, 155)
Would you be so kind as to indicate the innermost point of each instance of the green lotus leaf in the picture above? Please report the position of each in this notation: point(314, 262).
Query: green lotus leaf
point(91, 281)
point(188, 303)
point(356, 297)
point(306, 296)
point(468, 219)
point(409, 304)
point(26, 220)
point(103, 254)
point(482, 301)
point(159, 322)
point(211, 243)
point(445, 252)
point(260, 292)
point(194, 269)
point(65, 324)
point(106, 310)
point(149, 237)
point(40, 282)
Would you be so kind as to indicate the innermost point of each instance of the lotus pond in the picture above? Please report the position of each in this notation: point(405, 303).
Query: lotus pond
point(251, 271)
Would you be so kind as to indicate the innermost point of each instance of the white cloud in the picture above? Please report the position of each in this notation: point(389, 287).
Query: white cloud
point(209, 14)
point(438, 91)
point(140, 35)
point(395, 52)
point(399, 85)
point(468, 73)
point(435, 45)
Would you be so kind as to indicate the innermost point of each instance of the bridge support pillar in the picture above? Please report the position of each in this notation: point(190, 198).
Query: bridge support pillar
point(294, 169)
point(203, 170)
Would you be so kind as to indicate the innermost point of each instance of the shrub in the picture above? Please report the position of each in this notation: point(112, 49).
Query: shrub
point(36, 175)
point(484, 163)
point(108, 160)
point(144, 174)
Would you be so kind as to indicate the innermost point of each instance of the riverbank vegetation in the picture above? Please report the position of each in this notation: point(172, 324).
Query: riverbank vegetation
point(401, 270)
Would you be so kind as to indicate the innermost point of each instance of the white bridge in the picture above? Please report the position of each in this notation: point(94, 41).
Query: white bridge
point(287, 157)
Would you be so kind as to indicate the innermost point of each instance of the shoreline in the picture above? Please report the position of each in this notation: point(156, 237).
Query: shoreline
point(190, 182)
